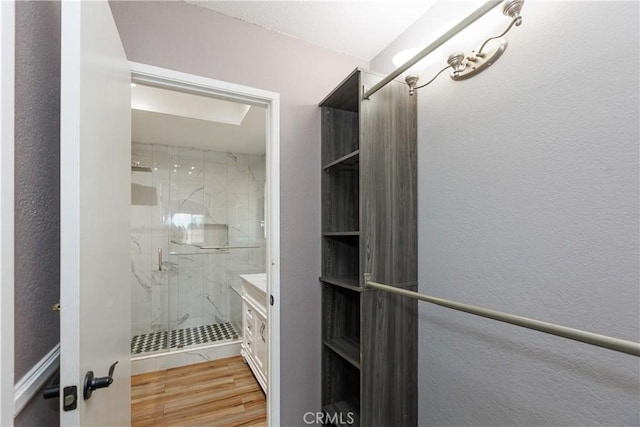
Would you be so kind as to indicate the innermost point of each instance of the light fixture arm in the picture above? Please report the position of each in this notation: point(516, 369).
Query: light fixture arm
point(516, 21)
point(413, 88)
point(456, 62)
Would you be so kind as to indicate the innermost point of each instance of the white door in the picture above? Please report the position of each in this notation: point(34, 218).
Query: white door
point(95, 196)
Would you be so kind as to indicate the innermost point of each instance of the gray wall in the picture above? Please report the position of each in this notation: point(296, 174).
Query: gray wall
point(528, 203)
point(191, 39)
point(37, 211)
point(39, 413)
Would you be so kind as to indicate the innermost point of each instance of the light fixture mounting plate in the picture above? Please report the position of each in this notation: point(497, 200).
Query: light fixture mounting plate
point(476, 64)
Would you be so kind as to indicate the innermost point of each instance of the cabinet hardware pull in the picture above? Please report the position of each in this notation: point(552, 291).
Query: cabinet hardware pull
point(159, 259)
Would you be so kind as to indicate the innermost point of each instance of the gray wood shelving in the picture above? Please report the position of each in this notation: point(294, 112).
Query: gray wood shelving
point(349, 161)
point(339, 411)
point(341, 234)
point(369, 196)
point(348, 348)
point(348, 282)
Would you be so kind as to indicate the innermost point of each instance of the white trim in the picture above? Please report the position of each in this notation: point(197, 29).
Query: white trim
point(273, 259)
point(7, 147)
point(185, 350)
point(35, 379)
point(170, 79)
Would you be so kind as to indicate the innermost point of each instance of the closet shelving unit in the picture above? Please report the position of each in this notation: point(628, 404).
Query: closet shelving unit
point(369, 361)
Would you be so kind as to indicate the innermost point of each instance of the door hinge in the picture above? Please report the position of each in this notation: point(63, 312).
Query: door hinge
point(70, 398)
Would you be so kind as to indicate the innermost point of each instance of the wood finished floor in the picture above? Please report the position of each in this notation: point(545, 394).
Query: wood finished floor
point(221, 393)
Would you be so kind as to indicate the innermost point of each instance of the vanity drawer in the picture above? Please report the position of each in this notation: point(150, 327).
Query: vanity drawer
point(248, 327)
point(249, 313)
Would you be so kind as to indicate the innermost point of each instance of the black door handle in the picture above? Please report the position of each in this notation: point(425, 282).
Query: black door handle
point(52, 390)
point(92, 383)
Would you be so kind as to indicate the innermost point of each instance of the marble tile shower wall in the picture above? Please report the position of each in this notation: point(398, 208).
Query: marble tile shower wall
point(213, 189)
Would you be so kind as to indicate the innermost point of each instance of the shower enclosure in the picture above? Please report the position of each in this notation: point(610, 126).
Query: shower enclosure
point(197, 223)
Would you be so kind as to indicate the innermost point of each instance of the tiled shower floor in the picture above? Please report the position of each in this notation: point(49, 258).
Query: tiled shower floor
point(183, 337)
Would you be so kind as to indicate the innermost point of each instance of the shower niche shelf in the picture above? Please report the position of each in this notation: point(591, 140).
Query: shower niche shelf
point(194, 231)
point(197, 238)
point(368, 226)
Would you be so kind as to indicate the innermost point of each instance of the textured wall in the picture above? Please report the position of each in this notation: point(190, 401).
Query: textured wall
point(37, 212)
point(528, 203)
point(37, 181)
point(39, 412)
point(191, 39)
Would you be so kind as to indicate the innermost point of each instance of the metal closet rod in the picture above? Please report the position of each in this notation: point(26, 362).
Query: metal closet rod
point(478, 13)
point(616, 344)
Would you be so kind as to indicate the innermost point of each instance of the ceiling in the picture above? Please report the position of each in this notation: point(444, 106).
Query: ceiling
point(157, 128)
point(158, 100)
point(169, 117)
point(358, 28)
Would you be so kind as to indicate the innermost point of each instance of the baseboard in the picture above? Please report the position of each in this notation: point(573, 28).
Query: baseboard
point(159, 362)
point(35, 379)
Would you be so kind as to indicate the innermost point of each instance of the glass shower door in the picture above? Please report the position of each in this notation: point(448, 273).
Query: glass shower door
point(197, 224)
point(149, 272)
point(199, 249)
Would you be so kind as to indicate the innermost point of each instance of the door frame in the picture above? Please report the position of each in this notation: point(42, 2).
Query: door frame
point(7, 206)
point(183, 82)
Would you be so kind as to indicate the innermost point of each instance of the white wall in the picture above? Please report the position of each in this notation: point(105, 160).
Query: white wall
point(187, 38)
point(528, 203)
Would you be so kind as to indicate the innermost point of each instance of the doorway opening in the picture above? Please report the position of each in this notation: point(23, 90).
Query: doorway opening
point(204, 225)
point(197, 220)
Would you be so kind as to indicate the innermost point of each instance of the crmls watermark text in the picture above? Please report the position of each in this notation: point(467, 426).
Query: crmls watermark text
point(338, 418)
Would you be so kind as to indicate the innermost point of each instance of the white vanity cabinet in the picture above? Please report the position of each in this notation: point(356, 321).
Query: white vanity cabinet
point(254, 323)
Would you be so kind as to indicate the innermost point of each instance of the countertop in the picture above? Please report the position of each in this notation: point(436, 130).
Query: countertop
point(258, 280)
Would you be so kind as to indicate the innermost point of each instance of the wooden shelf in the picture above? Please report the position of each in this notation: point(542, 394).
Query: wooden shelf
point(344, 407)
point(346, 95)
point(350, 161)
point(368, 337)
point(341, 233)
point(347, 282)
point(347, 348)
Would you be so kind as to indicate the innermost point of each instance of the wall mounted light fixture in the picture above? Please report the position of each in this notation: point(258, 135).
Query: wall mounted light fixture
point(466, 66)
point(462, 66)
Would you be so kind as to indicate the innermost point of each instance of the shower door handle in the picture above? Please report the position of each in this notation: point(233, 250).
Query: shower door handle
point(159, 259)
